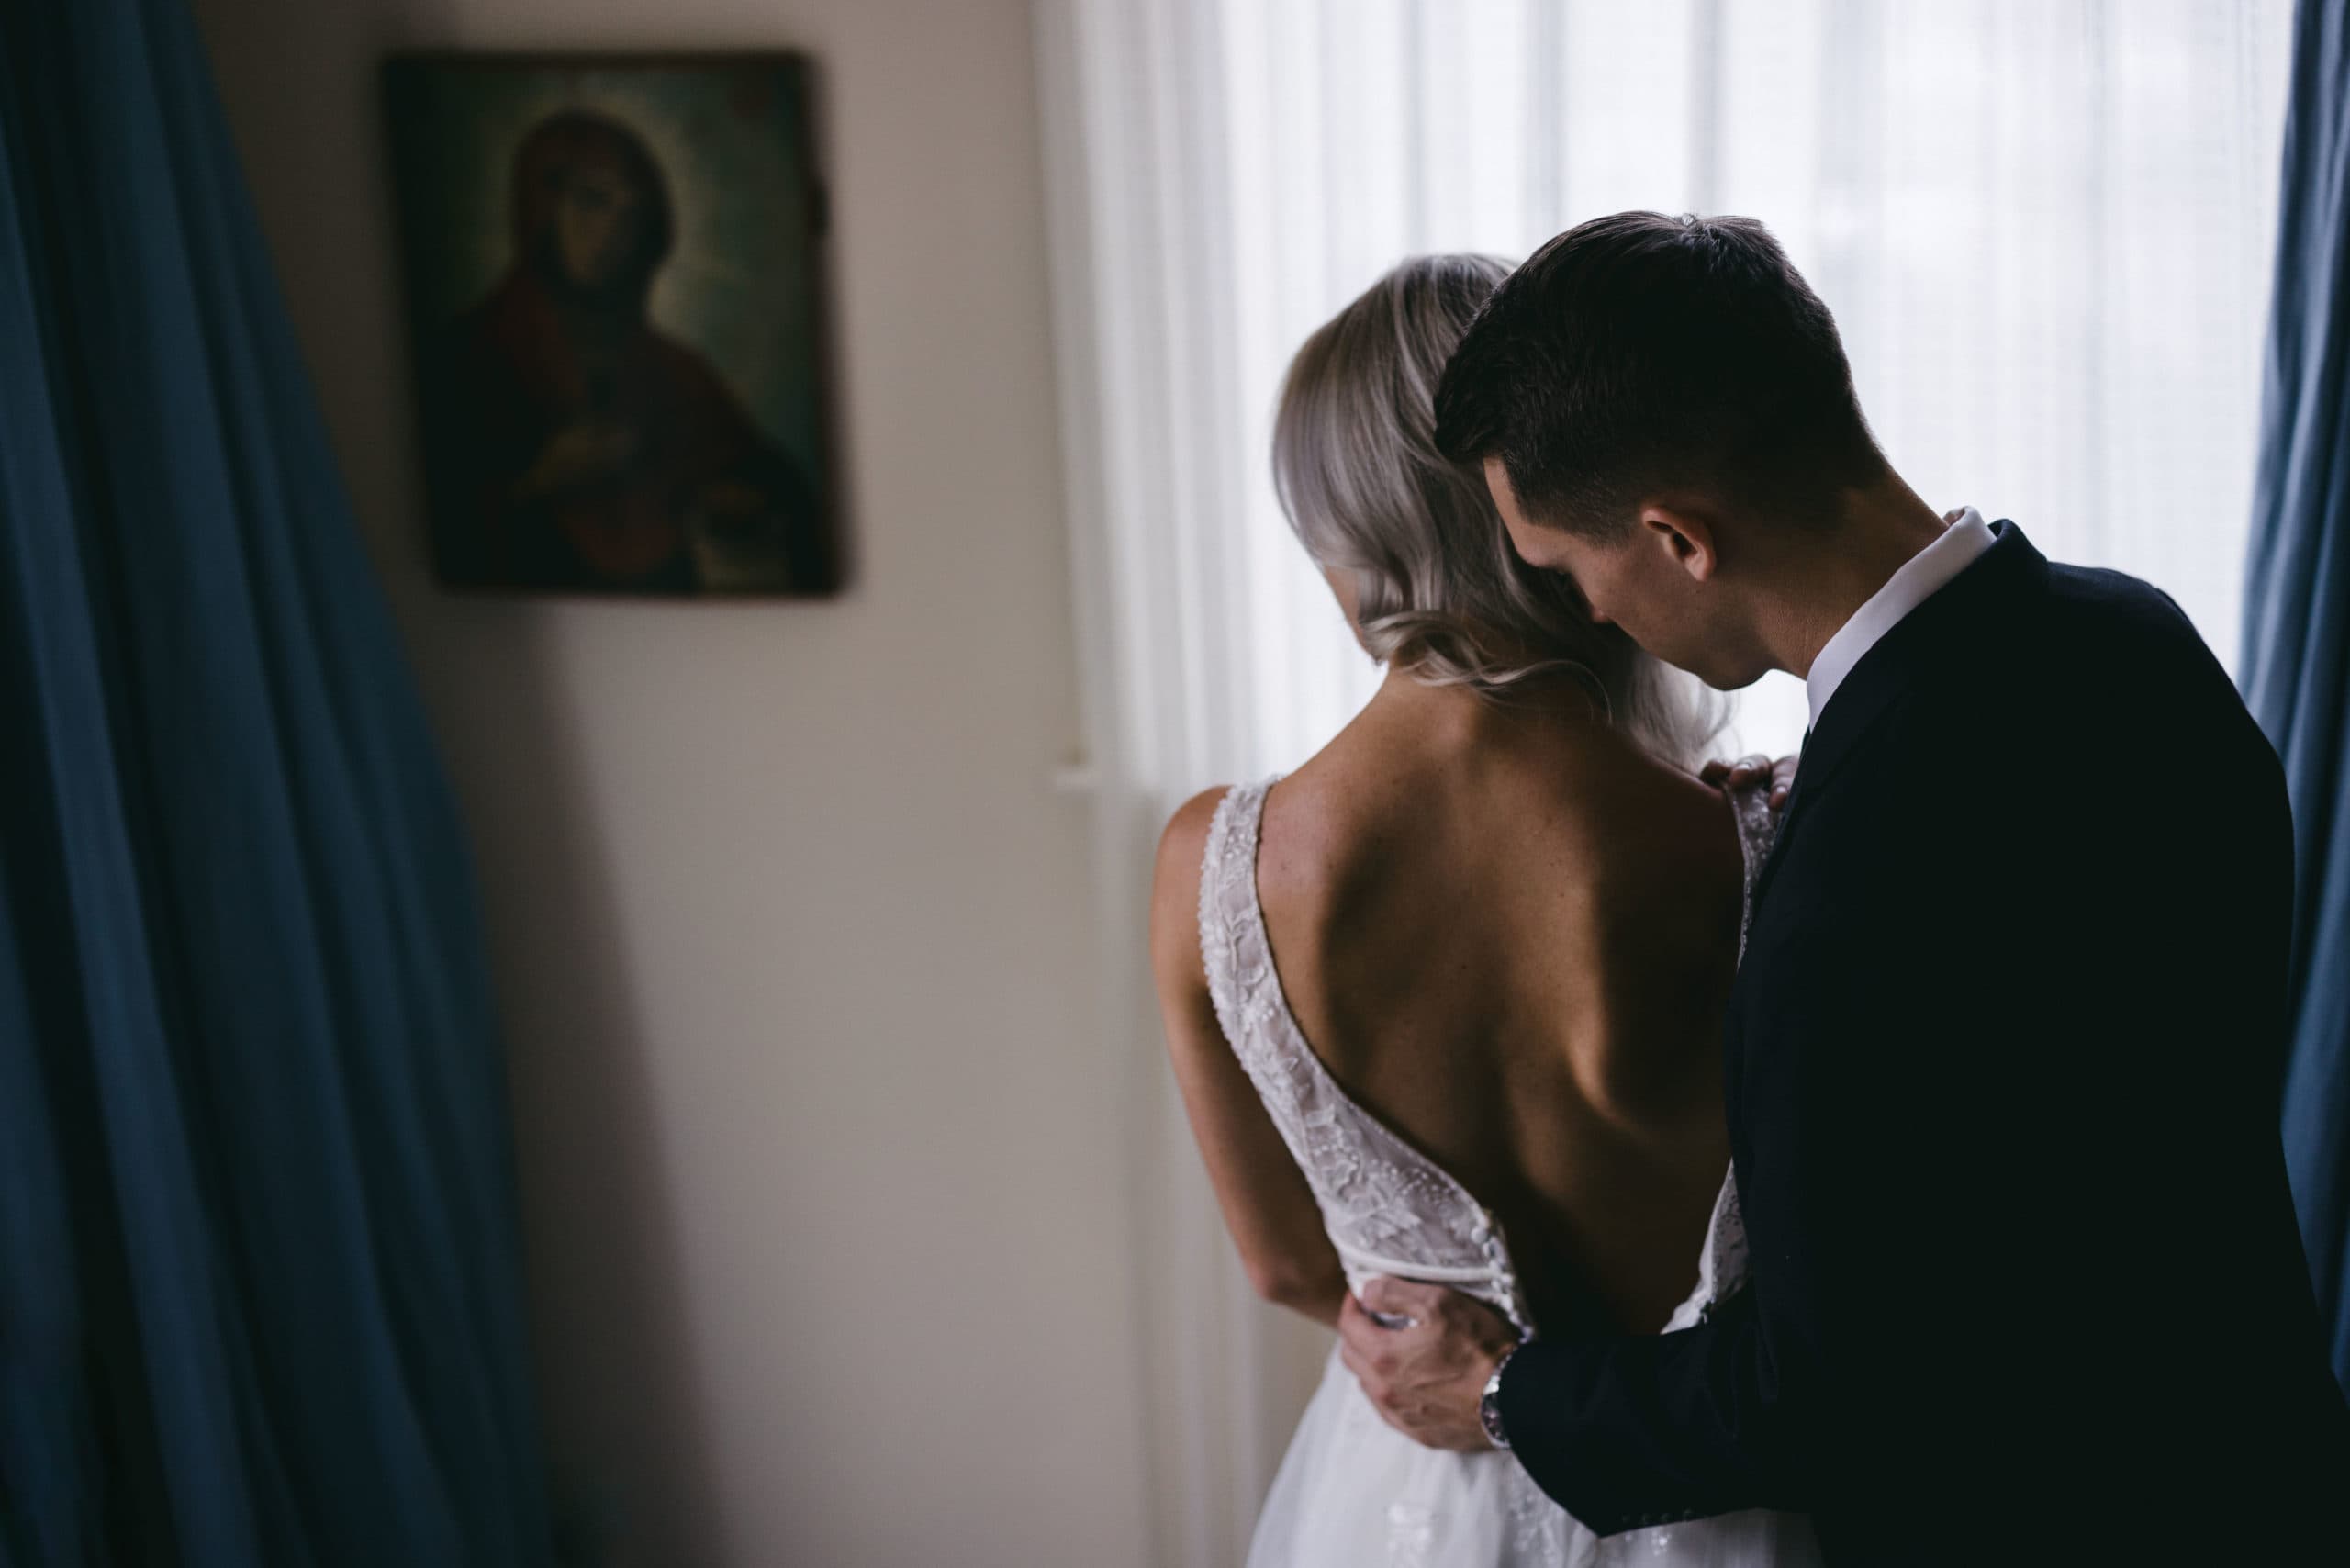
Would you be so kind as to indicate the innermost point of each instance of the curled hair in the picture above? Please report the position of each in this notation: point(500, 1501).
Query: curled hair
point(1440, 591)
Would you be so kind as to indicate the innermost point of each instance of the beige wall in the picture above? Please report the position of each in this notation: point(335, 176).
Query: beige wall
point(820, 1190)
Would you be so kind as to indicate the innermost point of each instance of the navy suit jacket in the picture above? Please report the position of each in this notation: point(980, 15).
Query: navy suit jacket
point(2004, 1060)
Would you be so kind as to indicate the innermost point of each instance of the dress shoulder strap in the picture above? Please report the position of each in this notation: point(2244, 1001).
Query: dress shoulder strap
point(1232, 934)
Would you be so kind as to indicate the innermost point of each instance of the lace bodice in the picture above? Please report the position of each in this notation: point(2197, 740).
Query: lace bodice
point(1388, 1208)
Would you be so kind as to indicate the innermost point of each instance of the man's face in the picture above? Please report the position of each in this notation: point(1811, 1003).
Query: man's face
point(1640, 584)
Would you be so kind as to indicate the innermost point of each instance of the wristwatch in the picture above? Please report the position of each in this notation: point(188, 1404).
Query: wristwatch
point(1489, 1407)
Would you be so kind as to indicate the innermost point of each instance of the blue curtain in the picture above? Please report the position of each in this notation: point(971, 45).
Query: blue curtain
point(2297, 628)
point(260, 1296)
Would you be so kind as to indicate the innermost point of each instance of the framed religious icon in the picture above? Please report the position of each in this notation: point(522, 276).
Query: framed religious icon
point(615, 307)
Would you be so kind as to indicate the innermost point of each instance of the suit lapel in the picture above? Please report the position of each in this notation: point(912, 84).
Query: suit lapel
point(1929, 637)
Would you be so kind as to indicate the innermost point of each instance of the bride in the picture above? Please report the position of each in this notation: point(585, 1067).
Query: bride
point(1446, 1003)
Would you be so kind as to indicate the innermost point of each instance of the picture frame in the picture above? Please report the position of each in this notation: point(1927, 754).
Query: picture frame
point(613, 277)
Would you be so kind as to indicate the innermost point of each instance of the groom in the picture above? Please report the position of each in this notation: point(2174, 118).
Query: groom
point(2004, 1053)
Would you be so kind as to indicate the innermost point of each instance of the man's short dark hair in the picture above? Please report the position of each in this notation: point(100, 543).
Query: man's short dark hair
point(1640, 353)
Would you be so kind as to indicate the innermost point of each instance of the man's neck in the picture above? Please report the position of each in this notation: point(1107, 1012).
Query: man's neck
point(1879, 532)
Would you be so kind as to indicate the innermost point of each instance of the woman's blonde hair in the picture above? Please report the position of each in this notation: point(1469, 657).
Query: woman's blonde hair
point(1439, 592)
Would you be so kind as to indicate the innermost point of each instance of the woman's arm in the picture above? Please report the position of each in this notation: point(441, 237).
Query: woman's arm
point(1267, 1204)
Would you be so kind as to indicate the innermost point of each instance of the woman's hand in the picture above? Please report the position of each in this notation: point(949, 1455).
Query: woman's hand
point(1746, 770)
point(1427, 1378)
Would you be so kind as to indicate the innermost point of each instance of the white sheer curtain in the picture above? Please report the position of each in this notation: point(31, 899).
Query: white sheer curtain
point(2044, 227)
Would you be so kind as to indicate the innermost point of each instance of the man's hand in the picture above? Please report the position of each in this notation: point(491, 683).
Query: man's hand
point(1426, 1379)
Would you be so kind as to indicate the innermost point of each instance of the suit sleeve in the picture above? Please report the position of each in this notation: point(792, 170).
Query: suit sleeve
point(1629, 1432)
point(1853, 1094)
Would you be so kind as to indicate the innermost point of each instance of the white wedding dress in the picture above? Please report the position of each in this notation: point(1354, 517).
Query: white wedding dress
point(1352, 1492)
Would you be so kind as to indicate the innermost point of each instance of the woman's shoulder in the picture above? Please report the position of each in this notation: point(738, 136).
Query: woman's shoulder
point(1185, 837)
point(1175, 885)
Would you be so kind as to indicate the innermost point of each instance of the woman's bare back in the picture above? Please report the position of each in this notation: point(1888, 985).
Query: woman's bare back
point(1511, 934)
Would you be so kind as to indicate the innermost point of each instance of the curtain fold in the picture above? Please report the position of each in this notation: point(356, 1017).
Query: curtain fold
point(2296, 664)
point(260, 1293)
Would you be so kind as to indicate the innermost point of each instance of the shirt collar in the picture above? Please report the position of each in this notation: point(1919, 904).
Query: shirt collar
point(1920, 579)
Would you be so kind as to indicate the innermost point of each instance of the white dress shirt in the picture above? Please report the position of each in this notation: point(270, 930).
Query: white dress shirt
point(1920, 579)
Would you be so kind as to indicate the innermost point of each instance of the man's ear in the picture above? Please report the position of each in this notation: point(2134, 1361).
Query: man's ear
point(1686, 536)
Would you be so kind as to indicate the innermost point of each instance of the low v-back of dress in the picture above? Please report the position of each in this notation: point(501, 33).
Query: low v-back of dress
point(1389, 1209)
point(1353, 1493)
